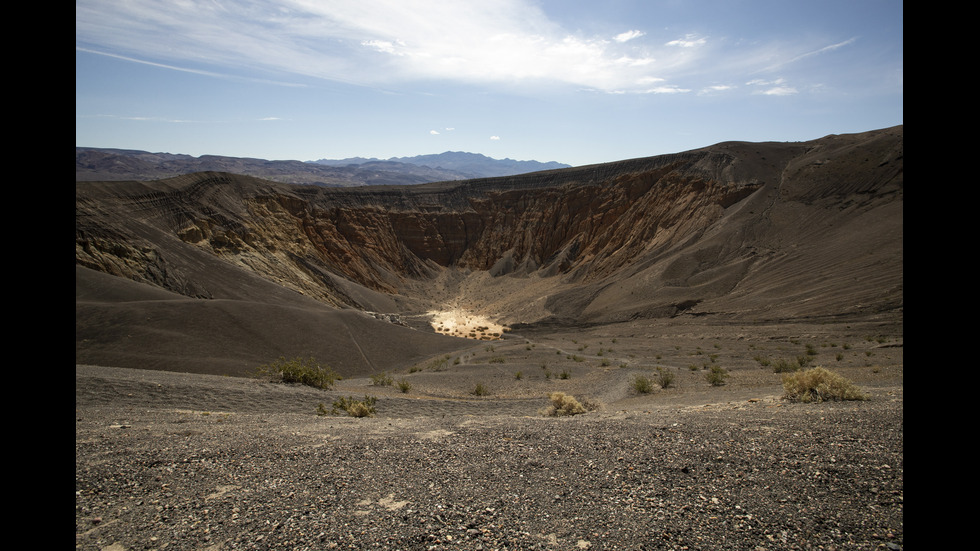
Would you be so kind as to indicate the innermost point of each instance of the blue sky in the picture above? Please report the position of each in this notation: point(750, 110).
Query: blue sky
point(574, 81)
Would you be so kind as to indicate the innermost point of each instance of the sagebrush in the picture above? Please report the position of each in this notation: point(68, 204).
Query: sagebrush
point(306, 371)
point(354, 407)
point(819, 385)
point(664, 377)
point(716, 376)
point(642, 384)
point(564, 404)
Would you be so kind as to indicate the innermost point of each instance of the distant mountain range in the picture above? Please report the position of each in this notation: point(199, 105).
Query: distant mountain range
point(103, 164)
point(468, 165)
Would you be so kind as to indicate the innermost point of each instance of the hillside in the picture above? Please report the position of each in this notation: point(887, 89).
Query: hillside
point(215, 272)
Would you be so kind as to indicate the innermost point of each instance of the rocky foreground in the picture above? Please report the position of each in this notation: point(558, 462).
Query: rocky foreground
point(177, 461)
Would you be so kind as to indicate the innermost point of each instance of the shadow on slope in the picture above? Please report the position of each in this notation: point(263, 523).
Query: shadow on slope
point(124, 323)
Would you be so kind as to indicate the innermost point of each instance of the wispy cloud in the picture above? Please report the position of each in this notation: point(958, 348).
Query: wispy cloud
point(370, 42)
point(716, 88)
point(777, 87)
point(689, 41)
point(142, 119)
point(816, 52)
point(172, 67)
point(511, 43)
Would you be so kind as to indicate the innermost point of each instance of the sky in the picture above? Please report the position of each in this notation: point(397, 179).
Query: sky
point(573, 81)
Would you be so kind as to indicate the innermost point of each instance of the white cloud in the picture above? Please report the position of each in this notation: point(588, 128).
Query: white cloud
point(434, 132)
point(369, 42)
point(780, 91)
point(494, 138)
point(386, 43)
point(384, 46)
point(774, 87)
point(716, 88)
point(628, 35)
point(689, 41)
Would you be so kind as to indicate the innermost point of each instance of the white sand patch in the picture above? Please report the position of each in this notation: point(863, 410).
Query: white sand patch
point(462, 323)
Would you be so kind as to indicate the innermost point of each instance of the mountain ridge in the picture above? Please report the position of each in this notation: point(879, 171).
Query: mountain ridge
point(95, 164)
point(469, 165)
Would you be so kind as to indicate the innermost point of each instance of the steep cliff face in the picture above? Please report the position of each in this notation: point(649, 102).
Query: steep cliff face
point(647, 237)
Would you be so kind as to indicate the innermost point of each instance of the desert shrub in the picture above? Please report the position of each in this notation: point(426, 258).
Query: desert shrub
point(564, 374)
point(480, 390)
point(565, 404)
point(664, 377)
point(716, 376)
point(819, 385)
point(298, 370)
point(784, 366)
point(642, 384)
point(353, 407)
point(518, 375)
point(404, 386)
point(497, 360)
point(436, 364)
point(381, 379)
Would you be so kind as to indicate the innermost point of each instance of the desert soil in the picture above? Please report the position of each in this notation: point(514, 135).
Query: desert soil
point(169, 460)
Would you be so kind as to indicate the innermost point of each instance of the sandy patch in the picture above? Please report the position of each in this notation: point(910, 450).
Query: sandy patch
point(462, 323)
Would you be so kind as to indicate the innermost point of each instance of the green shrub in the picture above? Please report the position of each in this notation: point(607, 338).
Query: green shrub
point(298, 370)
point(784, 366)
point(716, 376)
point(564, 374)
point(480, 390)
point(664, 377)
point(642, 384)
point(404, 386)
point(381, 379)
point(355, 408)
point(819, 385)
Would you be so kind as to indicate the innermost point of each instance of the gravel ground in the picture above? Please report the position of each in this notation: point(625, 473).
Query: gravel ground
point(176, 461)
